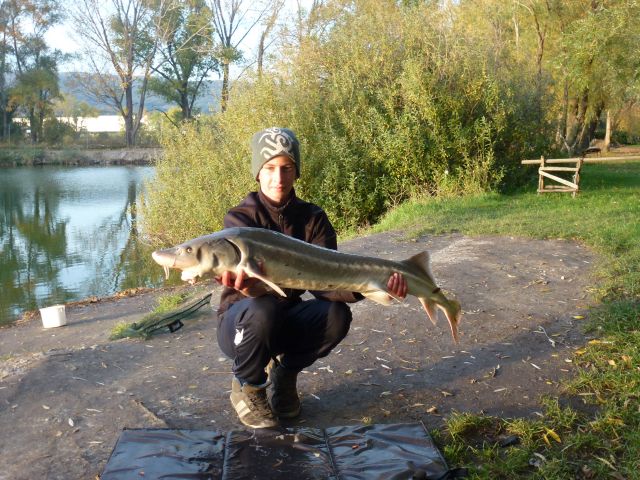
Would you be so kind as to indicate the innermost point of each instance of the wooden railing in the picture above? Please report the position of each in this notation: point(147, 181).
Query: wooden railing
point(558, 174)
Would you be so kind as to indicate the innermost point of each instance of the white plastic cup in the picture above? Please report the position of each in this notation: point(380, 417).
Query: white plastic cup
point(54, 316)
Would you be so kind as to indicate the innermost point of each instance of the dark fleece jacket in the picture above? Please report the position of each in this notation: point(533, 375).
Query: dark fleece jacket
point(296, 218)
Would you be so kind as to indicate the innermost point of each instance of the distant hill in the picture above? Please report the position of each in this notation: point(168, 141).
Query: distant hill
point(206, 103)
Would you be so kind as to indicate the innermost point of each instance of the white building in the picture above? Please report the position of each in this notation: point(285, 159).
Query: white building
point(101, 123)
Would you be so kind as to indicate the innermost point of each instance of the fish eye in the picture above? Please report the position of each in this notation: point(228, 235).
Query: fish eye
point(189, 249)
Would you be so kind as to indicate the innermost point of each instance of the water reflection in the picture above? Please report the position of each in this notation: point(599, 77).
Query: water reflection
point(68, 233)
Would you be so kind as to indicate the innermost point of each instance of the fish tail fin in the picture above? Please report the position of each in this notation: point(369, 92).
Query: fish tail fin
point(451, 309)
point(429, 307)
point(453, 312)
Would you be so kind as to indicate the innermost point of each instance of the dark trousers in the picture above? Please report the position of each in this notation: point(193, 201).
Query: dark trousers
point(254, 330)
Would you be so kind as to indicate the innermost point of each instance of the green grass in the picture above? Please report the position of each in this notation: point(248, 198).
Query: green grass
point(164, 305)
point(600, 442)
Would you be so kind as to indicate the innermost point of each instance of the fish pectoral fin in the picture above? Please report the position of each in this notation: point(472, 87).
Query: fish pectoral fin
point(379, 296)
point(252, 270)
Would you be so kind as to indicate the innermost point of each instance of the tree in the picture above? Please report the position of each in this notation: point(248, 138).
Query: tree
point(602, 60)
point(35, 90)
point(35, 66)
point(4, 68)
point(233, 21)
point(268, 26)
point(120, 36)
point(186, 53)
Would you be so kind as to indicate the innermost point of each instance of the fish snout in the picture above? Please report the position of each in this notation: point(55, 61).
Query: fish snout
point(164, 258)
point(176, 257)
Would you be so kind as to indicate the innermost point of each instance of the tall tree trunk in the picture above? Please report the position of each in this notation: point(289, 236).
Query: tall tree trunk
point(587, 128)
point(561, 128)
point(129, 133)
point(261, 49)
point(577, 129)
point(607, 134)
point(185, 105)
point(224, 96)
point(3, 97)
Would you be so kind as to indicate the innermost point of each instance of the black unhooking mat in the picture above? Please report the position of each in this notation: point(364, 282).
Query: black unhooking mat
point(371, 452)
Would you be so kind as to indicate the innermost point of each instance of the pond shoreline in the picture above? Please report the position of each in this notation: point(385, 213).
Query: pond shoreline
point(78, 157)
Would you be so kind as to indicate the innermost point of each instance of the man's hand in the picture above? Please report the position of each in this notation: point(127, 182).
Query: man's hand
point(397, 285)
point(248, 286)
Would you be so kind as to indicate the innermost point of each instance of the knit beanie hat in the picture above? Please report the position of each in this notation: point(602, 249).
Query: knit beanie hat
point(273, 142)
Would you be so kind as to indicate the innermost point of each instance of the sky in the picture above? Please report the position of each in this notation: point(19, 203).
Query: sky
point(63, 38)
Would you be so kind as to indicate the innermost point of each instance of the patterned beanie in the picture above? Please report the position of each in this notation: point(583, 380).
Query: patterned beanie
point(274, 142)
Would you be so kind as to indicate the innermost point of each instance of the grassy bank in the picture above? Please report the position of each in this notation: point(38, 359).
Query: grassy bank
point(600, 436)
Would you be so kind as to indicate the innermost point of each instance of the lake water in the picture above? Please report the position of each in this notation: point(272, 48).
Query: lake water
point(69, 233)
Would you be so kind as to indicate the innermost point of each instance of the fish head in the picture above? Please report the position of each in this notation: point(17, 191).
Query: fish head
point(199, 256)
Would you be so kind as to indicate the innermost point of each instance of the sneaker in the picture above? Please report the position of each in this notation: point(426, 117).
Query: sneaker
point(252, 407)
point(284, 399)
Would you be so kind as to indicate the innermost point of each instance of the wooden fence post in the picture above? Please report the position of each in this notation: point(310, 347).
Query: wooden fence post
point(540, 177)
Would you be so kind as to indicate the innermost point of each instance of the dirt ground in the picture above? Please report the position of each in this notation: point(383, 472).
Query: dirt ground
point(67, 393)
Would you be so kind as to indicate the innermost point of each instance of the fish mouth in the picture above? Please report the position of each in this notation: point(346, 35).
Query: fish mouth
point(168, 259)
point(164, 260)
point(189, 275)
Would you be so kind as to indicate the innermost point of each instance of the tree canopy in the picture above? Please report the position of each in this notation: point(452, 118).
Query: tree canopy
point(394, 100)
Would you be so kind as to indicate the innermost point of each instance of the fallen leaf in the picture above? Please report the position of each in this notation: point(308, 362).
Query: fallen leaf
point(606, 462)
point(554, 435)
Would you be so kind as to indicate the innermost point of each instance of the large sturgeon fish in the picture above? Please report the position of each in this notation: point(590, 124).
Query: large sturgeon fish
point(290, 263)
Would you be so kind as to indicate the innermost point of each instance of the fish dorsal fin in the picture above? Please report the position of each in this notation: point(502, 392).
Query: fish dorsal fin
point(421, 260)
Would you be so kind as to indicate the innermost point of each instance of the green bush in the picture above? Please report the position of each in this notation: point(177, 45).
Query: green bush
point(204, 171)
point(390, 104)
point(58, 133)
